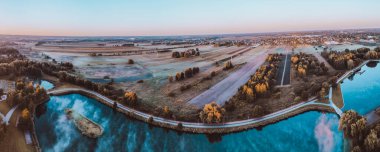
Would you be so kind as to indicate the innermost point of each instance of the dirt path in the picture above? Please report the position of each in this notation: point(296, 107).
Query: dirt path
point(321, 59)
point(337, 97)
point(228, 87)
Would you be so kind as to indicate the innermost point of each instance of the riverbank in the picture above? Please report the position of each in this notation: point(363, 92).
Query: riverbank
point(193, 127)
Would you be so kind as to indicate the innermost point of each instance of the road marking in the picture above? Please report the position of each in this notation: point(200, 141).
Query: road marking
point(283, 72)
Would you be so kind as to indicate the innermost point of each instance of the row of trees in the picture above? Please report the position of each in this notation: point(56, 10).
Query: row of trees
point(262, 81)
point(188, 73)
point(307, 64)
point(32, 68)
point(187, 53)
point(127, 97)
point(26, 93)
point(362, 136)
point(349, 59)
point(8, 55)
point(259, 85)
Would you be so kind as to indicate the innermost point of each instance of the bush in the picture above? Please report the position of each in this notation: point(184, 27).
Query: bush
point(228, 65)
point(213, 74)
point(179, 126)
point(297, 99)
point(170, 78)
point(211, 113)
point(150, 119)
point(189, 73)
point(130, 98)
point(130, 61)
point(171, 94)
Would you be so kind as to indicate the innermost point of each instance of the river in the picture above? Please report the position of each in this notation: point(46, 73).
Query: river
point(310, 131)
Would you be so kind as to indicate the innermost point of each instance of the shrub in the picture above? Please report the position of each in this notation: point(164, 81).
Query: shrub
point(228, 65)
point(179, 126)
point(178, 76)
point(297, 99)
point(130, 98)
point(189, 73)
point(171, 94)
point(130, 61)
point(213, 74)
point(170, 78)
point(150, 119)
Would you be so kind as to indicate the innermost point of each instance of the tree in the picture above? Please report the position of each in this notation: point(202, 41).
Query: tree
point(130, 98)
point(228, 65)
point(189, 73)
point(352, 124)
point(178, 76)
point(356, 149)
point(372, 141)
point(130, 61)
point(167, 112)
point(211, 113)
point(25, 118)
point(358, 128)
point(248, 92)
point(170, 78)
point(261, 88)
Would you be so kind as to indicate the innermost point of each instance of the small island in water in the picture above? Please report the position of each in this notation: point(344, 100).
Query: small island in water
point(85, 125)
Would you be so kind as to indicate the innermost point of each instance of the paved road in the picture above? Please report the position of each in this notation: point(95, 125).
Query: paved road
point(228, 87)
point(192, 124)
point(372, 117)
point(283, 74)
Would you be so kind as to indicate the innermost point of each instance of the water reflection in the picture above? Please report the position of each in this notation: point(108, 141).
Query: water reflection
point(55, 133)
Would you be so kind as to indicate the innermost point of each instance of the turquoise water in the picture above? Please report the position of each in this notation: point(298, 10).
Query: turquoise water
point(310, 131)
point(361, 91)
point(46, 84)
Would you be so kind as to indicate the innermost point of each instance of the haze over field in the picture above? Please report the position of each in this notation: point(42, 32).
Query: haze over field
point(169, 17)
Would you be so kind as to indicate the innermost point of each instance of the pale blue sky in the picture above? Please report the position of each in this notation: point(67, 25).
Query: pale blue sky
point(177, 17)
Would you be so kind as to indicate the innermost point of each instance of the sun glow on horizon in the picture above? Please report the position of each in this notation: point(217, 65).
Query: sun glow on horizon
point(168, 17)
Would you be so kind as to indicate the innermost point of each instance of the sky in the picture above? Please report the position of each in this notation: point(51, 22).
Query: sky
point(182, 17)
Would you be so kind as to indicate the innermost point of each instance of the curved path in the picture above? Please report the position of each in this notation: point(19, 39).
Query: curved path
point(225, 89)
point(8, 116)
point(193, 124)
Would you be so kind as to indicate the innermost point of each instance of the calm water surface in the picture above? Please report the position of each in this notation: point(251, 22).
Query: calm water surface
point(46, 84)
point(311, 131)
point(361, 91)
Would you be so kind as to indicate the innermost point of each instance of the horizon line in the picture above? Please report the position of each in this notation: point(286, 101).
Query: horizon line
point(215, 34)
